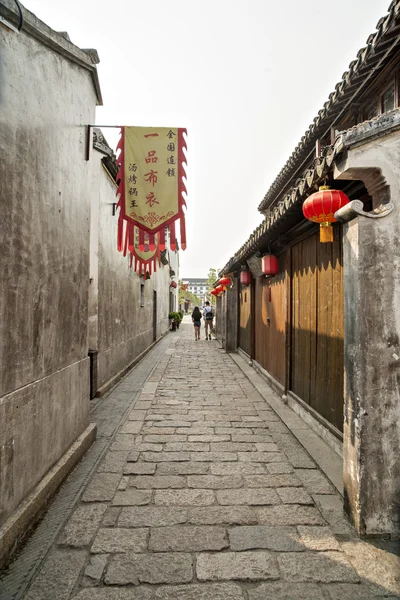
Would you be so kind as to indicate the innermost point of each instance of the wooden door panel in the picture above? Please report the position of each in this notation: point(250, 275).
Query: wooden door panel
point(245, 319)
point(317, 326)
point(270, 325)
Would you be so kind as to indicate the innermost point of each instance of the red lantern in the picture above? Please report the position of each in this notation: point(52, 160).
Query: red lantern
point(219, 289)
point(321, 207)
point(174, 284)
point(270, 264)
point(245, 277)
point(225, 281)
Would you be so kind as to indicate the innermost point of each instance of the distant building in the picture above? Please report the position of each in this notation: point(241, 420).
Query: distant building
point(196, 286)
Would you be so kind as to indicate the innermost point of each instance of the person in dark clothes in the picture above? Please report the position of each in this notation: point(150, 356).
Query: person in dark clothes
point(196, 318)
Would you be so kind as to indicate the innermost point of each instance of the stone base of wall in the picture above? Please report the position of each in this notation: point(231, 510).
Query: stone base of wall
point(316, 423)
point(18, 525)
point(274, 383)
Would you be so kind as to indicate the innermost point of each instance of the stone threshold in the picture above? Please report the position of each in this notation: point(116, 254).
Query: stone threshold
point(18, 526)
point(327, 459)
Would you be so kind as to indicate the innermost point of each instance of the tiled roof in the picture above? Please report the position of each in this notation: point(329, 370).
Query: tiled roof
point(295, 197)
point(379, 45)
point(304, 186)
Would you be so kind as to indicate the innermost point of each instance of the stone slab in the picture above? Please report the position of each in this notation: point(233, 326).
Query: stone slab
point(286, 591)
point(111, 516)
point(157, 481)
point(279, 539)
point(83, 525)
point(294, 495)
point(184, 497)
point(139, 468)
point(132, 427)
point(113, 462)
point(219, 515)
point(123, 441)
point(202, 591)
point(102, 487)
point(275, 481)
point(152, 516)
point(165, 456)
point(290, 514)
point(318, 538)
point(187, 538)
point(315, 481)
point(262, 457)
point(58, 575)
point(322, 567)
point(278, 468)
point(132, 497)
point(245, 566)
point(94, 569)
point(139, 593)
point(116, 539)
point(214, 482)
point(154, 568)
point(354, 591)
point(182, 468)
point(218, 468)
point(248, 497)
point(213, 456)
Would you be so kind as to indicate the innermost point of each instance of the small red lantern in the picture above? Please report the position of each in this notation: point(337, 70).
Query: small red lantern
point(321, 207)
point(174, 284)
point(245, 277)
point(270, 265)
point(219, 289)
point(225, 281)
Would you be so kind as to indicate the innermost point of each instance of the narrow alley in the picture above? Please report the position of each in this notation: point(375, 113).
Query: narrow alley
point(195, 488)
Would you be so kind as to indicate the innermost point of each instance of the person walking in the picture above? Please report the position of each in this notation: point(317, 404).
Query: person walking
point(196, 318)
point(208, 315)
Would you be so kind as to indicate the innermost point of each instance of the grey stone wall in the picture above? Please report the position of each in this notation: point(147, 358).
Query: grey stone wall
point(372, 346)
point(45, 100)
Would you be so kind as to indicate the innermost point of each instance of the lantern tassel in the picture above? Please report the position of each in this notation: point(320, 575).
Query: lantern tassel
point(325, 233)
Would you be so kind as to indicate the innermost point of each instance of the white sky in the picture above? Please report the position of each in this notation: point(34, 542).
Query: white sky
point(245, 78)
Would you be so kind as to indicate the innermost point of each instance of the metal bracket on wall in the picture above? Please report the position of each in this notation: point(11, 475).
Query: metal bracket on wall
point(8, 25)
point(355, 208)
point(89, 136)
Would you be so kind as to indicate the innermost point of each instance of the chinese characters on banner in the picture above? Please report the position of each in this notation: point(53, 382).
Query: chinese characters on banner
point(150, 186)
point(145, 260)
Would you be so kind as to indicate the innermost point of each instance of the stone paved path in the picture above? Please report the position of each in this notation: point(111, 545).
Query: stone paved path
point(204, 494)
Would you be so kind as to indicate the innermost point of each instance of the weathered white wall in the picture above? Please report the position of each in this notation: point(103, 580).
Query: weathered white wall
point(123, 328)
point(45, 101)
point(372, 345)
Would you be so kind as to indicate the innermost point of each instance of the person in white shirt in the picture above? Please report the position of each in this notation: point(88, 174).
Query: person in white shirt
point(208, 315)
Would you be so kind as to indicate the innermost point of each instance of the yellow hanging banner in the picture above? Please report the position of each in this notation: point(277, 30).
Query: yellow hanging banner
point(151, 171)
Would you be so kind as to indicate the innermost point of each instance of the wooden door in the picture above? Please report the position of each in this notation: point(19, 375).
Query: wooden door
point(317, 326)
point(270, 322)
point(245, 341)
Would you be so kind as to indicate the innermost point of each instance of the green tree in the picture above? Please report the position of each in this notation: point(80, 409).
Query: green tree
point(186, 295)
point(212, 278)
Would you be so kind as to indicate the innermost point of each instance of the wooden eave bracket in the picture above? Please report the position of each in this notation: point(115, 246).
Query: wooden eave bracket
point(355, 208)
